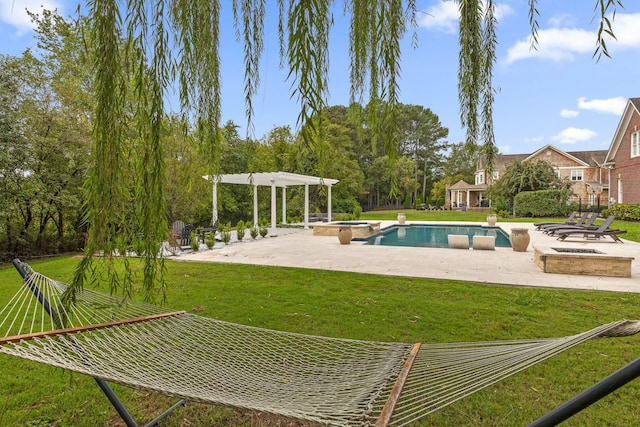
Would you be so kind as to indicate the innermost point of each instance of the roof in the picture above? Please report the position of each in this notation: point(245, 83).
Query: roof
point(633, 107)
point(279, 179)
point(591, 158)
point(462, 185)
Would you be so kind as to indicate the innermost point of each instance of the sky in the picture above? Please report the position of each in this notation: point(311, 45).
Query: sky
point(558, 94)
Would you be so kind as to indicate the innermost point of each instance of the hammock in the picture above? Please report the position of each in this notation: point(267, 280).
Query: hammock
point(332, 381)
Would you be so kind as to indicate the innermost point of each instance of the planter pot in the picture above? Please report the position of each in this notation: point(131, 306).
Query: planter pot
point(519, 239)
point(491, 220)
point(344, 235)
point(401, 218)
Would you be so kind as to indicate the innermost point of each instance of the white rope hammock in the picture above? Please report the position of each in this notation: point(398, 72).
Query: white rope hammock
point(332, 381)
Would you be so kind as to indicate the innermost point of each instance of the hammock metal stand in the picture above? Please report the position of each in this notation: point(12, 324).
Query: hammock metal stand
point(104, 386)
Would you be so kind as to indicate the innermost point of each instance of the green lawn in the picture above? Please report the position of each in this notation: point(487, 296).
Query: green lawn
point(357, 306)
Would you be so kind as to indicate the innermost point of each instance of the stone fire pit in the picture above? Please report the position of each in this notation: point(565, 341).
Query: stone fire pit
point(591, 262)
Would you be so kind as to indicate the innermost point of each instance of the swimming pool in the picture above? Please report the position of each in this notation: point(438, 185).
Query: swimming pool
point(434, 235)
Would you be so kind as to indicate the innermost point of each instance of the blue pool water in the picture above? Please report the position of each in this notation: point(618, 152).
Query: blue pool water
point(434, 236)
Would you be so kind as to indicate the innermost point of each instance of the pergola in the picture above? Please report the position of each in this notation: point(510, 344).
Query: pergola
point(273, 180)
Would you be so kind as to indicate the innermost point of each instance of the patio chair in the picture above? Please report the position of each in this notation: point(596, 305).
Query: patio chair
point(583, 225)
point(569, 221)
point(587, 225)
point(602, 231)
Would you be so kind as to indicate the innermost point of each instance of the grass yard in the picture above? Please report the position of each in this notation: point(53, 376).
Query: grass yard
point(357, 306)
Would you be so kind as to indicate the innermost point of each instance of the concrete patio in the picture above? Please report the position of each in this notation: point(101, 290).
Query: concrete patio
point(300, 248)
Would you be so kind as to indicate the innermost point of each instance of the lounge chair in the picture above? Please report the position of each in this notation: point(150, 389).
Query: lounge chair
point(569, 221)
point(602, 231)
point(588, 225)
point(586, 220)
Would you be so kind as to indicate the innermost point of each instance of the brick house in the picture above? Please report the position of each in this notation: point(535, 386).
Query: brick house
point(623, 157)
point(585, 169)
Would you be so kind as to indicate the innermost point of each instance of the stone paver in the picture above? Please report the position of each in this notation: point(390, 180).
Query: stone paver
point(300, 248)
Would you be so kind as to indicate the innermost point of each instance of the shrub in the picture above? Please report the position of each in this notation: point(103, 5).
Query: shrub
point(195, 241)
point(240, 230)
point(225, 234)
point(541, 203)
point(210, 240)
point(254, 232)
point(624, 212)
point(264, 231)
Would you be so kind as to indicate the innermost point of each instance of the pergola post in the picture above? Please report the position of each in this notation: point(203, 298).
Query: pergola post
point(329, 203)
point(306, 206)
point(274, 209)
point(284, 204)
point(255, 205)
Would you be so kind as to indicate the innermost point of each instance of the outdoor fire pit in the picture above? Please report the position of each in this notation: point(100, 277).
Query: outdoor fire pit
point(586, 261)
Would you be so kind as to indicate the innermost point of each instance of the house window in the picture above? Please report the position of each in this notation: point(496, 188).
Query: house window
point(576, 175)
point(496, 175)
point(480, 178)
point(635, 144)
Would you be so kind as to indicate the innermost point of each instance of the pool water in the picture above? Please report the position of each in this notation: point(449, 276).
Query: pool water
point(434, 235)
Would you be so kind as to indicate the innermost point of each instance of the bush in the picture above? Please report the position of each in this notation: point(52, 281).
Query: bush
point(624, 212)
point(240, 230)
point(264, 231)
point(210, 240)
point(195, 241)
point(254, 232)
point(225, 234)
point(541, 203)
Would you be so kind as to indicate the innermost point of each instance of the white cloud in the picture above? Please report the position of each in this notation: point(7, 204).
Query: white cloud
point(573, 135)
point(564, 42)
point(562, 20)
point(444, 16)
point(534, 139)
point(13, 12)
point(611, 105)
point(554, 44)
point(566, 113)
point(625, 27)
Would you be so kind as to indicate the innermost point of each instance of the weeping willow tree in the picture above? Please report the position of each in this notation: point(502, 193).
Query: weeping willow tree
point(142, 47)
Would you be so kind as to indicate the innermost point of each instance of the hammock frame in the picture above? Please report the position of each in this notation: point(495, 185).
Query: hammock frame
point(115, 401)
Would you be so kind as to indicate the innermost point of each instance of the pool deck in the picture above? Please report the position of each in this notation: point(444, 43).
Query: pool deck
point(300, 248)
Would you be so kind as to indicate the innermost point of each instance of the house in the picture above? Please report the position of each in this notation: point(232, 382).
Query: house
point(623, 157)
point(585, 169)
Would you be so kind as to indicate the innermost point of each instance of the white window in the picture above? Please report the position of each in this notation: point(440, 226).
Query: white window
point(496, 175)
point(635, 144)
point(576, 175)
point(480, 178)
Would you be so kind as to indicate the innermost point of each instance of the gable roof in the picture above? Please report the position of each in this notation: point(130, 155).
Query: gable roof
point(633, 106)
point(591, 158)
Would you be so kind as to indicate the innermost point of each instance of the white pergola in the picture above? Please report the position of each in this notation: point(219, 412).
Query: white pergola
point(273, 180)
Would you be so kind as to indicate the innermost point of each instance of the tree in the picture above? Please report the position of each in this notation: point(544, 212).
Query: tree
point(421, 139)
point(526, 176)
point(377, 27)
point(53, 101)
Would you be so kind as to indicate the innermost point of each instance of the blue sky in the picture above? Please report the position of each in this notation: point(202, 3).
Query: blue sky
point(556, 95)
